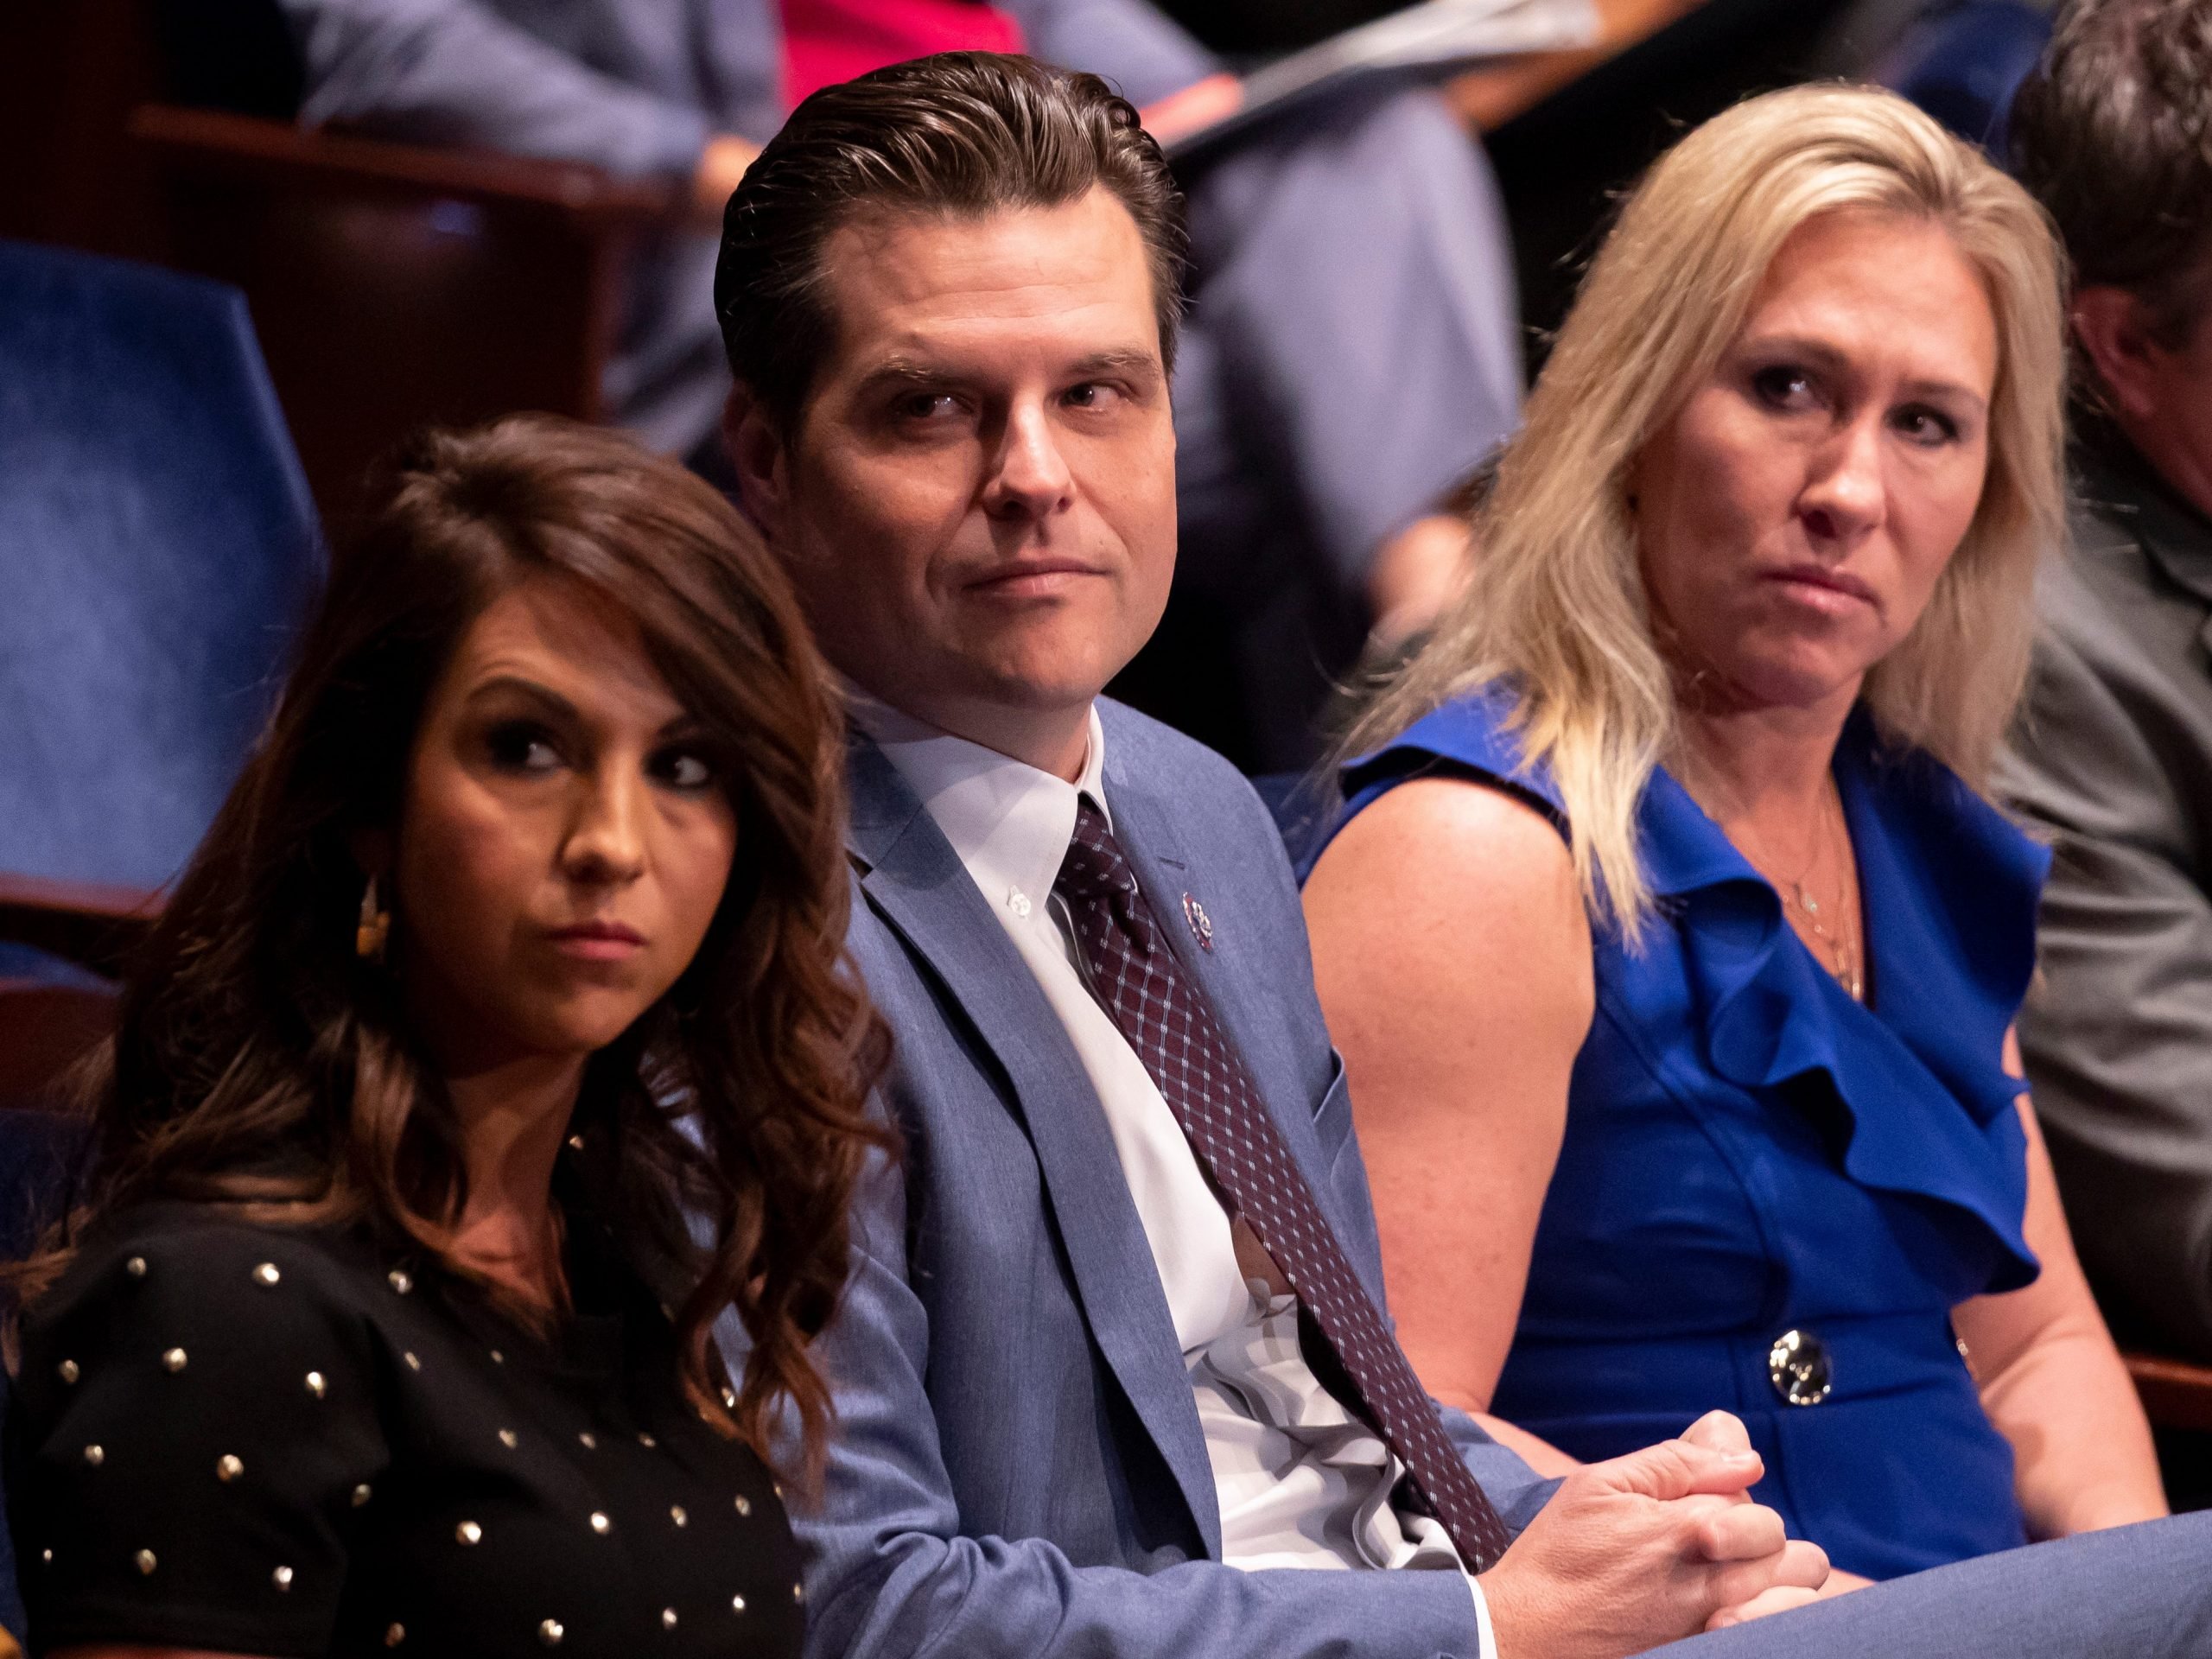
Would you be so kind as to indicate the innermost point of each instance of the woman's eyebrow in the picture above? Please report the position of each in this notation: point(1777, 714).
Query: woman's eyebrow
point(518, 684)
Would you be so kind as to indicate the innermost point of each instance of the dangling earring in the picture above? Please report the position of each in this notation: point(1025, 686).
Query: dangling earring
point(374, 928)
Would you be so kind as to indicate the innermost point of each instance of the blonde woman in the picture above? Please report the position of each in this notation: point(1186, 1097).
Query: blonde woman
point(1672, 946)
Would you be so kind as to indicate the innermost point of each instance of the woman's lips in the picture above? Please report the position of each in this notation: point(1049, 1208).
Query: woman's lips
point(597, 941)
point(1031, 579)
point(1833, 592)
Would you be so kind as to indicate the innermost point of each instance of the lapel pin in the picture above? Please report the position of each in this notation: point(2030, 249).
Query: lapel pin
point(1201, 924)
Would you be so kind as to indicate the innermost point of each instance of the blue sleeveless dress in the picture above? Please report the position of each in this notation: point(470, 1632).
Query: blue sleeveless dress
point(1770, 1197)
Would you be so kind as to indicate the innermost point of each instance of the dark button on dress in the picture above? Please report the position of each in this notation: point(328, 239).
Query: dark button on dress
point(271, 1441)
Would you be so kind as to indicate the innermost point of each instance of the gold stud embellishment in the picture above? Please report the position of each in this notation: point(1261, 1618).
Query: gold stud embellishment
point(668, 1619)
point(509, 1439)
point(549, 1632)
point(469, 1533)
point(676, 1514)
point(67, 1371)
point(317, 1386)
point(799, 1593)
point(590, 1440)
point(362, 1494)
point(646, 1440)
point(95, 1455)
point(737, 1604)
point(136, 1267)
point(601, 1524)
point(144, 1562)
point(400, 1281)
point(46, 1556)
point(173, 1361)
point(498, 1358)
point(228, 1468)
point(282, 1577)
point(394, 1634)
point(744, 1505)
point(413, 1363)
point(266, 1276)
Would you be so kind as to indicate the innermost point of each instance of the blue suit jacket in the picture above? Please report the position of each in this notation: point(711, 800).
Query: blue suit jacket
point(1019, 1468)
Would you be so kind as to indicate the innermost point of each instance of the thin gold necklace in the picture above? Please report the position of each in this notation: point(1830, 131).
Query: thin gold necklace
point(1844, 964)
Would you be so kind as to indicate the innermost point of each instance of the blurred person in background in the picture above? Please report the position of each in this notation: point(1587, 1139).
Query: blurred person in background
point(1672, 946)
point(1354, 350)
point(495, 1045)
point(2113, 758)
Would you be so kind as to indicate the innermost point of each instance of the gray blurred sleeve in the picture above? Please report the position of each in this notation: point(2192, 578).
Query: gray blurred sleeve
point(2110, 763)
point(1128, 42)
point(450, 72)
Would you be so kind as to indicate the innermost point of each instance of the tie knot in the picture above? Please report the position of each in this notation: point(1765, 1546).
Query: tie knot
point(1094, 870)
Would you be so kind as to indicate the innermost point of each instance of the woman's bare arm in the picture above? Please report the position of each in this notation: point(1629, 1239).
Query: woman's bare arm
point(1453, 959)
point(2051, 1379)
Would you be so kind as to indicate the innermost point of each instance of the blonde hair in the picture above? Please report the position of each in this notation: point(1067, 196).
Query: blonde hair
point(1557, 609)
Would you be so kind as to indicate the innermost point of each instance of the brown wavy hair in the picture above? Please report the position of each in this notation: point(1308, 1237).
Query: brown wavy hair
point(261, 1064)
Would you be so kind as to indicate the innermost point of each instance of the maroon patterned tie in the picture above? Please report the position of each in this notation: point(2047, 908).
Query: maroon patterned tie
point(1137, 980)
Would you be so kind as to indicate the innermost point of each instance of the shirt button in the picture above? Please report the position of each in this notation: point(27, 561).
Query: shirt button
point(1017, 901)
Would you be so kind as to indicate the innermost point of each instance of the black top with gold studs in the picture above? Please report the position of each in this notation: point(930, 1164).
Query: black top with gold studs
point(276, 1440)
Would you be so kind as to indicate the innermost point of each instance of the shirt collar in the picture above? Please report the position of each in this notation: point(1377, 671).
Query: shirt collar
point(1008, 821)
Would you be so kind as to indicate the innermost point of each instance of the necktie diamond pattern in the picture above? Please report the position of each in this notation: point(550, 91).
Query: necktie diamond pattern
point(1167, 1022)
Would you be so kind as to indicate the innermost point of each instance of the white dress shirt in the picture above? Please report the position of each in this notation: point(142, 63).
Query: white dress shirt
point(1300, 1482)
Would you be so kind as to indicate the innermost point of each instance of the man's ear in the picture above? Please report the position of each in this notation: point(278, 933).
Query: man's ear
point(757, 451)
point(2110, 324)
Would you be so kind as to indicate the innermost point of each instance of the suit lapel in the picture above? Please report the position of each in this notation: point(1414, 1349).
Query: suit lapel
point(916, 882)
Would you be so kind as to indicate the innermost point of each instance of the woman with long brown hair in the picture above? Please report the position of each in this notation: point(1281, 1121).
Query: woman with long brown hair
point(497, 1043)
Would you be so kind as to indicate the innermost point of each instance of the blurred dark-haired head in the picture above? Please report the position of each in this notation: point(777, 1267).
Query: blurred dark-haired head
point(959, 135)
point(264, 1058)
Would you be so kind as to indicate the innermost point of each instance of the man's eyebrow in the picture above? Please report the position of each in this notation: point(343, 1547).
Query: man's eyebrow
point(1123, 360)
point(904, 370)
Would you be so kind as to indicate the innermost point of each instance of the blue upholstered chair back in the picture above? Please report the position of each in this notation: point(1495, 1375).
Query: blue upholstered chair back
point(1962, 62)
point(157, 548)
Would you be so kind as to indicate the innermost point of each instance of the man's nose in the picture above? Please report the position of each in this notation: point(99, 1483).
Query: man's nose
point(1030, 476)
point(1848, 495)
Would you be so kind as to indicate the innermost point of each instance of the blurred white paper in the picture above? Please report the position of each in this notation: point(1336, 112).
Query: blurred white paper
point(1424, 42)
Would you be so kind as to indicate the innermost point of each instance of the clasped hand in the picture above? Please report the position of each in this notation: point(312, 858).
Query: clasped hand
point(1649, 1548)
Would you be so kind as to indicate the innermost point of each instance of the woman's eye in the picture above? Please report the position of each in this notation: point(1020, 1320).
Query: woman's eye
point(1927, 426)
point(522, 745)
point(683, 769)
point(1783, 387)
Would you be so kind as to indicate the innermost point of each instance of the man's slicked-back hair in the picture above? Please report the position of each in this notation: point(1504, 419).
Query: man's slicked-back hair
point(959, 135)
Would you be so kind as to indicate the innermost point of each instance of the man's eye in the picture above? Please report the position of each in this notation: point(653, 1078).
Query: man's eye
point(522, 745)
point(1093, 394)
point(924, 405)
point(1783, 387)
point(684, 769)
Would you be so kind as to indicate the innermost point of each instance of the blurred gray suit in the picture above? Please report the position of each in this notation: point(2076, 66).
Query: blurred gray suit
point(2113, 760)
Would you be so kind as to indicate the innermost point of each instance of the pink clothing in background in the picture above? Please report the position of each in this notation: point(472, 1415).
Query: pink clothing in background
point(828, 40)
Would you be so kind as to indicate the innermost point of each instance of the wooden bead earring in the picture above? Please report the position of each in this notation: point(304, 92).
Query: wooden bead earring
point(374, 929)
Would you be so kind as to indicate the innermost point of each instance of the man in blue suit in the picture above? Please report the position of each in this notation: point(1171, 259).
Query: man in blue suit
point(1112, 1373)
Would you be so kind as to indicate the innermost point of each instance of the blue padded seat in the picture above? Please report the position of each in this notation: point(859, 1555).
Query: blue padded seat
point(157, 548)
